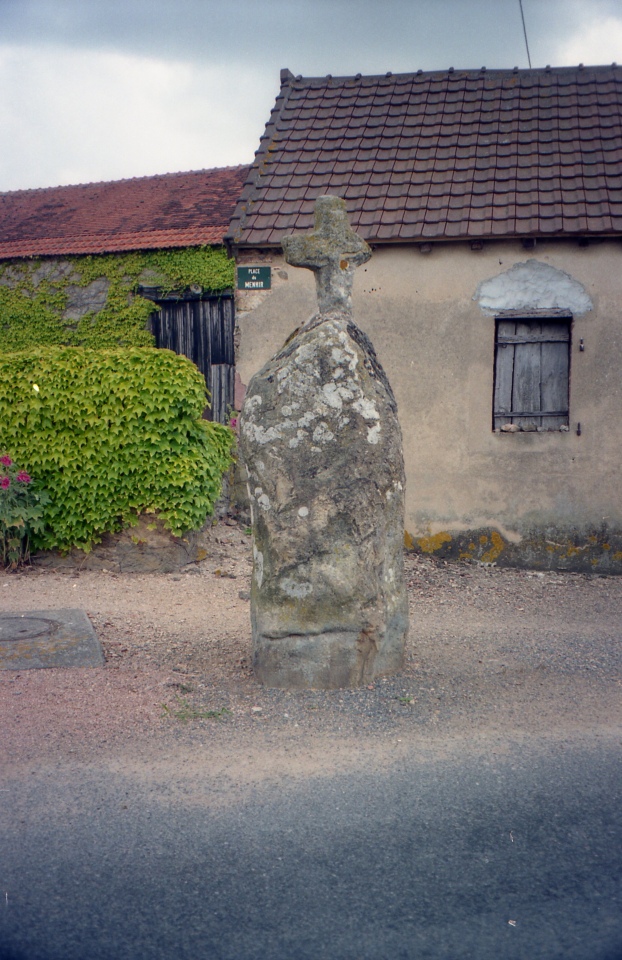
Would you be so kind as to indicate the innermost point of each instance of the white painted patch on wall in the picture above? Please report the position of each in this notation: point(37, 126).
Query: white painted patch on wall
point(533, 285)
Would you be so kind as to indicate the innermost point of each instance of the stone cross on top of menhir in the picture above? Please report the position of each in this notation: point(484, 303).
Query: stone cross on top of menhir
point(321, 442)
point(332, 251)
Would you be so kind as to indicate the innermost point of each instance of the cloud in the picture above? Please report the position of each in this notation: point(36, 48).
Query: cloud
point(593, 43)
point(70, 115)
point(313, 37)
point(94, 90)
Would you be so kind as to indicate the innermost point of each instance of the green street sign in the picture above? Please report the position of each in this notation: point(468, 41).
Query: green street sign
point(254, 278)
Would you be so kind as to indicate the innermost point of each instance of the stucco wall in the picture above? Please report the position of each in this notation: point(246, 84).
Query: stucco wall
point(543, 499)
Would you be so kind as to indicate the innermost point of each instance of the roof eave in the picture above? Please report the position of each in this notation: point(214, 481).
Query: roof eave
point(245, 245)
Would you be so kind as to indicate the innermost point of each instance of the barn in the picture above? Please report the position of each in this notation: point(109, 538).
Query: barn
point(127, 262)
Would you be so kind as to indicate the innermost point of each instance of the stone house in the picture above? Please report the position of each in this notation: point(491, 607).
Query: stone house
point(125, 263)
point(492, 200)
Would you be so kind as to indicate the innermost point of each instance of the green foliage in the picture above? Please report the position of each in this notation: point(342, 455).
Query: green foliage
point(208, 267)
point(35, 295)
point(21, 513)
point(111, 434)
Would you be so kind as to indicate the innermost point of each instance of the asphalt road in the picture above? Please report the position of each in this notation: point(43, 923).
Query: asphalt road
point(511, 854)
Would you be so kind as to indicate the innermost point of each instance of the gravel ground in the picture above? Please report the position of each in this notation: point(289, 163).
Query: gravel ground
point(492, 654)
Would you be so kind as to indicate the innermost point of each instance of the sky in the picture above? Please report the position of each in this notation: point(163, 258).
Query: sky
point(96, 90)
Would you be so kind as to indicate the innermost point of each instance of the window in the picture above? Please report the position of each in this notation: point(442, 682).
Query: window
point(532, 373)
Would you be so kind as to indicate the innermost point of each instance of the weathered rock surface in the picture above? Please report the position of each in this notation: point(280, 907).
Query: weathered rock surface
point(323, 449)
point(147, 547)
point(332, 251)
point(322, 445)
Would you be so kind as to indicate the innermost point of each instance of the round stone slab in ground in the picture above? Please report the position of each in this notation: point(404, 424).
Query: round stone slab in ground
point(48, 638)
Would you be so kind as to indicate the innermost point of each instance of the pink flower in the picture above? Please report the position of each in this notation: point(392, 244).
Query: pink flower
point(6, 461)
point(23, 477)
point(233, 422)
point(5, 482)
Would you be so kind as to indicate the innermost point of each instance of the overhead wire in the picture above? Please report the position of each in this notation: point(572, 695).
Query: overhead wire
point(520, 3)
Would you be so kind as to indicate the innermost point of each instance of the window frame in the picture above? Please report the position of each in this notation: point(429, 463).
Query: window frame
point(531, 382)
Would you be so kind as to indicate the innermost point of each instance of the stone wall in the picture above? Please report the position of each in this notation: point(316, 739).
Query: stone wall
point(145, 548)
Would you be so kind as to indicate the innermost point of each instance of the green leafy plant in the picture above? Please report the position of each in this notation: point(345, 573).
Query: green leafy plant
point(21, 513)
point(35, 295)
point(112, 434)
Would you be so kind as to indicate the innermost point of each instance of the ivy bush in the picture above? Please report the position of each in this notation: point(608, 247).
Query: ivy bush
point(34, 295)
point(111, 434)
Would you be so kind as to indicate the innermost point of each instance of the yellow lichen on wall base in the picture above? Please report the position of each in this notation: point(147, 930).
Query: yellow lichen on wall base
point(433, 542)
point(495, 551)
point(538, 549)
point(484, 546)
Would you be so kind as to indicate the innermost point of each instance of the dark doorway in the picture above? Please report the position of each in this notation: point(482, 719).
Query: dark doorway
point(201, 327)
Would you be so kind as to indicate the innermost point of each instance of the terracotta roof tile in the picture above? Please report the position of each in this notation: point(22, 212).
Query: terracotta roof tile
point(412, 216)
point(503, 227)
point(388, 232)
point(433, 155)
point(148, 213)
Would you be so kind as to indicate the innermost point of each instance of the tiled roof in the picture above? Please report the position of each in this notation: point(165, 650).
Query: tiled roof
point(462, 154)
point(147, 213)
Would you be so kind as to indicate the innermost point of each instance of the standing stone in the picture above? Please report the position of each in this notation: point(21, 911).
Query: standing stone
point(323, 449)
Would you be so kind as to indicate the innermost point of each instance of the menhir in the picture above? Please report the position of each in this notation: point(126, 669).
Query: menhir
point(322, 445)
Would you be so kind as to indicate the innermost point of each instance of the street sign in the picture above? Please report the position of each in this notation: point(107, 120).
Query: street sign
point(254, 278)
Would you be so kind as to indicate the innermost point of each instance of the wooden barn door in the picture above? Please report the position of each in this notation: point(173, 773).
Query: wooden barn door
point(202, 329)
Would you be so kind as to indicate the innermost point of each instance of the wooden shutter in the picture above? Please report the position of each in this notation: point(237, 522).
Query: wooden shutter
point(532, 373)
point(203, 331)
